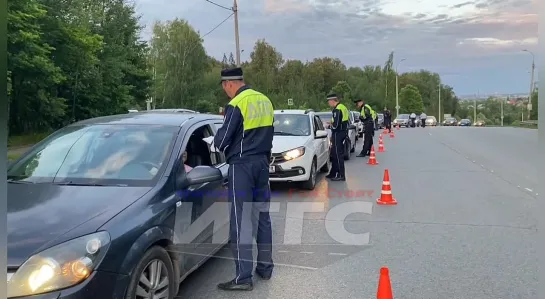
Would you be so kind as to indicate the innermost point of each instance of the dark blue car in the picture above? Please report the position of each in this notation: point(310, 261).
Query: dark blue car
point(108, 208)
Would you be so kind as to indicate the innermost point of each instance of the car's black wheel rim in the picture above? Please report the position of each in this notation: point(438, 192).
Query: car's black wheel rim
point(153, 282)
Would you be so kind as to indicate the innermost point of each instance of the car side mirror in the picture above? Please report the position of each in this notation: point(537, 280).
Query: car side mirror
point(198, 175)
point(321, 134)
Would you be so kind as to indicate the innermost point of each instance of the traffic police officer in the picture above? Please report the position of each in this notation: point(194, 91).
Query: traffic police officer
point(339, 133)
point(246, 139)
point(366, 117)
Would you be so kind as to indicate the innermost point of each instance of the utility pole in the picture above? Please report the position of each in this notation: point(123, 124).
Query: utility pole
point(439, 103)
point(397, 88)
point(237, 42)
point(501, 108)
point(475, 110)
point(529, 105)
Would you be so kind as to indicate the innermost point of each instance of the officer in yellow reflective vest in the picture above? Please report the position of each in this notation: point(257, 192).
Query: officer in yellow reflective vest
point(339, 133)
point(368, 120)
point(246, 139)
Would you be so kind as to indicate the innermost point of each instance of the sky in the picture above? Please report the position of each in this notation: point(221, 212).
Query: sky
point(476, 46)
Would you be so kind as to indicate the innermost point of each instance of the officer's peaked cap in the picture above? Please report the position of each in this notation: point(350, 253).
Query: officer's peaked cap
point(332, 96)
point(231, 74)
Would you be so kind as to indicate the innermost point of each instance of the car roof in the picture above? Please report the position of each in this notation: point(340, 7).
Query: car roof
point(292, 111)
point(165, 118)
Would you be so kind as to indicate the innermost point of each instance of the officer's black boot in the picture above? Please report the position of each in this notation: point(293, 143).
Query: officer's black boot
point(232, 286)
point(361, 154)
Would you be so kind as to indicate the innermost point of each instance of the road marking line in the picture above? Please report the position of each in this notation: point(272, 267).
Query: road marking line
point(334, 253)
point(306, 252)
point(482, 165)
point(528, 189)
point(491, 170)
point(283, 251)
point(474, 161)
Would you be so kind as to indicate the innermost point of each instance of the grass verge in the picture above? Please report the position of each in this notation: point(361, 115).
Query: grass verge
point(26, 140)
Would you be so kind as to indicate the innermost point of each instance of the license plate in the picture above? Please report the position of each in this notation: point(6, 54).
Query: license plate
point(271, 169)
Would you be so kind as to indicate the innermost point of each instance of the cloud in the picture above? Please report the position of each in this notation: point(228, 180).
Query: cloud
point(440, 35)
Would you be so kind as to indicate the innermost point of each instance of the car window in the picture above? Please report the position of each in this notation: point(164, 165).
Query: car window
point(403, 116)
point(292, 124)
point(99, 154)
point(318, 123)
point(198, 151)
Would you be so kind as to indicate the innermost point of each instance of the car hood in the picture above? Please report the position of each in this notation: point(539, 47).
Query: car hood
point(42, 215)
point(286, 143)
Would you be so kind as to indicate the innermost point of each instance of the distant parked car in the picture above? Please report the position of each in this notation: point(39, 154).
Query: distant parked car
point(431, 121)
point(480, 123)
point(380, 121)
point(402, 120)
point(465, 123)
point(451, 121)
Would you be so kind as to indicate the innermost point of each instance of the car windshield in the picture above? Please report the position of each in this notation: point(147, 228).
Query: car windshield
point(291, 124)
point(403, 116)
point(451, 119)
point(132, 155)
point(430, 117)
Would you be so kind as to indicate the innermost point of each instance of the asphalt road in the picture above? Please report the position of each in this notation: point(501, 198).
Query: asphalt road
point(464, 227)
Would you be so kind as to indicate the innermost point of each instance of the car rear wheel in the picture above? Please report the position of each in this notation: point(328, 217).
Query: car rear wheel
point(311, 182)
point(153, 276)
point(347, 150)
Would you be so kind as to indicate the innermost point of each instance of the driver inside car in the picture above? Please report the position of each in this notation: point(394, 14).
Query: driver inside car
point(187, 167)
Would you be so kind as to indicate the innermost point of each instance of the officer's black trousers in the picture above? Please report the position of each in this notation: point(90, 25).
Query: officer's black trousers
point(368, 140)
point(337, 154)
point(250, 196)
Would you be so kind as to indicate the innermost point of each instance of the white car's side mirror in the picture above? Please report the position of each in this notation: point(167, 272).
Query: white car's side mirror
point(321, 134)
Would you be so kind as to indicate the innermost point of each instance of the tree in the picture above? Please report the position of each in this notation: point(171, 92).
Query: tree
point(343, 90)
point(534, 114)
point(410, 100)
point(232, 62)
point(82, 58)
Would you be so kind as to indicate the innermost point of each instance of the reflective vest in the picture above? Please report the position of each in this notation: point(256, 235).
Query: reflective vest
point(373, 113)
point(256, 109)
point(344, 111)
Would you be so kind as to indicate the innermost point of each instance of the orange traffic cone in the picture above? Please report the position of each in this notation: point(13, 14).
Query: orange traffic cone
point(392, 135)
point(372, 158)
point(380, 146)
point(398, 127)
point(384, 285)
point(386, 197)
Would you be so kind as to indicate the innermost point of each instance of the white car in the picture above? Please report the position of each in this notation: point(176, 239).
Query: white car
point(350, 146)
point(300, 148)
point(358, 123)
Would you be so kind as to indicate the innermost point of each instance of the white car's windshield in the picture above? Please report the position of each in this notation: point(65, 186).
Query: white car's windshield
point(291, 124)
point(98, 155)
point(403, 116)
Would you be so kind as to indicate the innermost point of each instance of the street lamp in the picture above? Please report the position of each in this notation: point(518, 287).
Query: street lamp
point(397, 87)
point(529, 106)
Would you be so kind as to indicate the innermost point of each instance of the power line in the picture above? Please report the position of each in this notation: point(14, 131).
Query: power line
point(218, 25)
point(219, 5)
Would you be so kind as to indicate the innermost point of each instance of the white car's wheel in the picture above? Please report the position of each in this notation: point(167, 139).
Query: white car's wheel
point(327, 166)
point(310, 184)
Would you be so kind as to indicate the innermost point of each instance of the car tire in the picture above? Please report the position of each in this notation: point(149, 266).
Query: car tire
point(327, 166)
point(158, 256)
point(310, 184)
point(347, 150)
